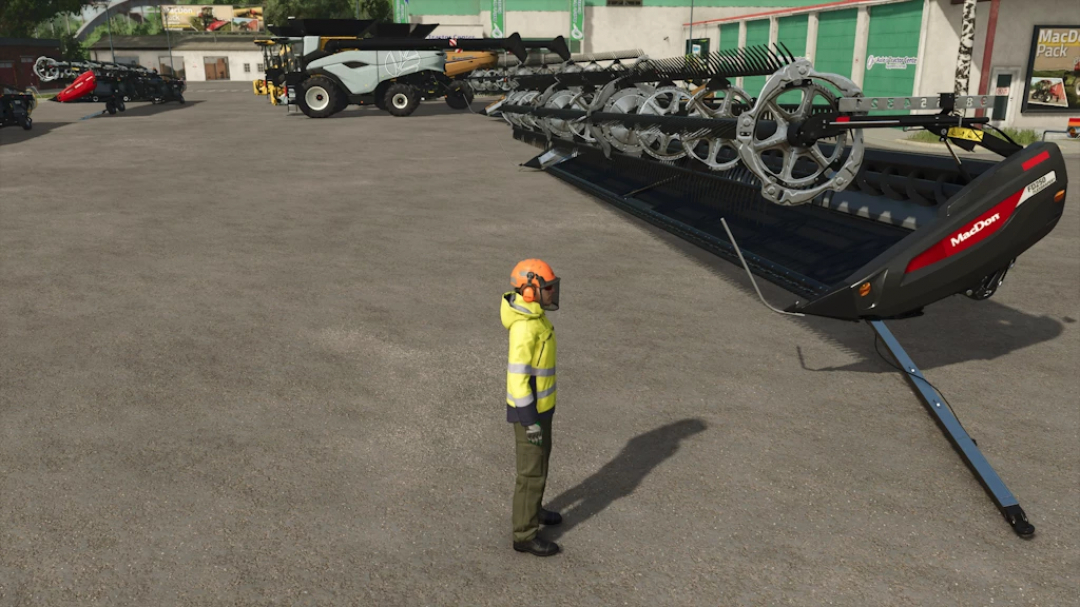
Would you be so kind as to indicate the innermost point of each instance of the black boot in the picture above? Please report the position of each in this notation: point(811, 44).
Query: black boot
point(538, 546)
point(549, 518)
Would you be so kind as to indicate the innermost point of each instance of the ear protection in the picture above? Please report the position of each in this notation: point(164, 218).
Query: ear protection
point(529, 292)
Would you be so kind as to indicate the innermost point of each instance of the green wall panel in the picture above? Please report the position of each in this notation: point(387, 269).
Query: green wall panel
point(729, 36)
point(539, 5)
point(792, 32)
point(757, 33)
point(473, 7)
point(836, 42)
point(764, 4)
point(446, 7)
point(894, 32)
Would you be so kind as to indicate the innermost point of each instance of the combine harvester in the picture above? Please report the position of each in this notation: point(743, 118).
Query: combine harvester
point(328, 64)
point(113, 83)
point(781, 184)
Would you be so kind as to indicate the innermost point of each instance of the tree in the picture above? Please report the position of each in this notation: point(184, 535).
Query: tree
point(278, 11)
point(380, 10)
point(18, 18)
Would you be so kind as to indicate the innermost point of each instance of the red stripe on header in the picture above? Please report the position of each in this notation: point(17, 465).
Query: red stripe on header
point(974, 232)
point(1028, 164)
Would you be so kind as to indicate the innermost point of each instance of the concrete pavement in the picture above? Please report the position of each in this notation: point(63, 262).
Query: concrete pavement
point(256, 359)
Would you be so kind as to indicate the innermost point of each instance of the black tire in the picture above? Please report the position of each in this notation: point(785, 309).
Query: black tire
point(401, 99)
point(120, 105)
point(27, 123)
point(342, 103)
point(181, 100)
point(460, 96)
point(94, 98)
point(320, 98)
point(380, 96)
point(110, 107)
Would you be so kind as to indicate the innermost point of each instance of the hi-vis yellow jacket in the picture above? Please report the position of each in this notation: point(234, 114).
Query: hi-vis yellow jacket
point(530, 373)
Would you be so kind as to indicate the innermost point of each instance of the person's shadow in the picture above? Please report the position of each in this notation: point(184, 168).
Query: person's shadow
point(621, 476)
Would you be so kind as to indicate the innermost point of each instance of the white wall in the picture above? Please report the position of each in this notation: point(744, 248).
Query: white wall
point(1012, 45)
point(193, 61)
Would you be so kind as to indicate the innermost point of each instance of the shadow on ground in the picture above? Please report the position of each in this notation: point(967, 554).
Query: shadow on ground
point(150, 109)
point(954, 330)
point(16, 134)
point(427, 108)
point(621, 476)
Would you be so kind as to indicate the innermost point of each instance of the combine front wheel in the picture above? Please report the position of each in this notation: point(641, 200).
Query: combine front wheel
point(320, 97)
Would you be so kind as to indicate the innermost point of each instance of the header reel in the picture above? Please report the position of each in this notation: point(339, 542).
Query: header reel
point(801, 136)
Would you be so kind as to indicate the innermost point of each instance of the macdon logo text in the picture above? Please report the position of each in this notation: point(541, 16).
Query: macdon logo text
point(975, 229)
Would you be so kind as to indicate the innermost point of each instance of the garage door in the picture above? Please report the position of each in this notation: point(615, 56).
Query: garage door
point(836, 42)
point(892, 49)
point(7, 72)
point(757, 33)
point(791, 31)
point(729, 36)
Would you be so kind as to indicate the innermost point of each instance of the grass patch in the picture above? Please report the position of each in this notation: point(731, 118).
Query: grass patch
point(1024, 137)
point(924, 137)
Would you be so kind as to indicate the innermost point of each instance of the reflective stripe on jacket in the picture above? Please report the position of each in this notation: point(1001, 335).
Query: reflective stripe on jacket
point(530, 371)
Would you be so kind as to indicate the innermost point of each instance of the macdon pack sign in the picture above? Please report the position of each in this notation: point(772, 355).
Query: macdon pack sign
point(1053, 76)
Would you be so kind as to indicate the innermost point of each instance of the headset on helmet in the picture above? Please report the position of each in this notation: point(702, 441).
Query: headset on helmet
point(530, 276)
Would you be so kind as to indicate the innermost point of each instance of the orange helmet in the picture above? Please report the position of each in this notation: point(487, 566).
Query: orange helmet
point(530, 276)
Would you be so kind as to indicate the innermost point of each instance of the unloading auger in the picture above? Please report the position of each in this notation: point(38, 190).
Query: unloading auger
point(781, 184)
point(113, 83)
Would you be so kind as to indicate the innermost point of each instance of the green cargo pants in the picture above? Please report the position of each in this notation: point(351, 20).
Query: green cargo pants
point(532, 469)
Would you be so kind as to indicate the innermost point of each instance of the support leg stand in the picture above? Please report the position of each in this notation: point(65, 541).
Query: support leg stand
point(956, 434)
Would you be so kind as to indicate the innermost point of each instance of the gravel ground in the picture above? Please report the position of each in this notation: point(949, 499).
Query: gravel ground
point(256, 359)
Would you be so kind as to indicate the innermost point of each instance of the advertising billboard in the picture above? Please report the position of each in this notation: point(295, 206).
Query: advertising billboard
point(1052, 83)
point(212, 18)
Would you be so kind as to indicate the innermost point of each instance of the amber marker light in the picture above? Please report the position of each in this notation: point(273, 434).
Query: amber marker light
point(864, 289)
point(1059, 196)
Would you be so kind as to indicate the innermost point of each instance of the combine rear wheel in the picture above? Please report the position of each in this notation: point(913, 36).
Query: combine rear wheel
point(319, 97)
point(27, 123)
point(401, 99)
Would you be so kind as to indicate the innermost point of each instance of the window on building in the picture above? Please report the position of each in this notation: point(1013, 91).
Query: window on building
point(260, 67)
point(166, 64)
point(7, 64)
point(624, 2)
point(247, 68)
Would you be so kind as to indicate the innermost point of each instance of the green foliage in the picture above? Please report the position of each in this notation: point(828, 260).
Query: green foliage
point(20, 18)
point(71, 49)
point(278, 11)
point(924, 137)
point(1023, 137)
point(380, 10)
